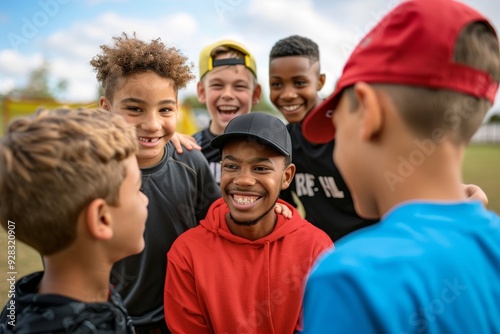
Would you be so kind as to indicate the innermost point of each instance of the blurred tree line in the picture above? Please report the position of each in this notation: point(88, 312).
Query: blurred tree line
point(40, 86)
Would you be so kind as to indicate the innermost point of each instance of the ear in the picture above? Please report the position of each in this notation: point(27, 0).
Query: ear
point(371, 110)
point(98, 220)
point(200, 90)
point(321, 81)
point(104, 103)
point(288, 175)
point(256, 94)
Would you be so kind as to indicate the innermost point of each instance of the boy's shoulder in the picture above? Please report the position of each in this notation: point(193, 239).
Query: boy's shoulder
point(67, 315)
point(194, 158)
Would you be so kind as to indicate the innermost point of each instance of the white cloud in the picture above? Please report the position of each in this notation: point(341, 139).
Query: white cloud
point(334, 41)
point(70, 50)
point(7, 85)
point(13, 63)
point(335, 26)
point(16, 67)
point(82, 39)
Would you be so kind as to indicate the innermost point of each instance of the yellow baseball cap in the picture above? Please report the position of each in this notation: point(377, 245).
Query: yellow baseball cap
point(207, 63)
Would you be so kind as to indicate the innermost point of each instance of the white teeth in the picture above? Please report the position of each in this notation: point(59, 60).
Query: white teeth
point(291, 108)
point(227, 108)
point(149, 140)
point(245, 200)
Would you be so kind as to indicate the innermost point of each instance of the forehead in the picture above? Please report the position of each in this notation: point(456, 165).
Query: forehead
point(248, 149)
point(229, 72)
point(146, 82)
point(293, 66)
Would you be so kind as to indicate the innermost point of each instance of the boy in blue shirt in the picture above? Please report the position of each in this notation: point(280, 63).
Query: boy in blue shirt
point(410, 97)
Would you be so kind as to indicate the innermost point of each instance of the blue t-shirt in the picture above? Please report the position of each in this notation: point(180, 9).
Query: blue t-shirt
point(425, 268)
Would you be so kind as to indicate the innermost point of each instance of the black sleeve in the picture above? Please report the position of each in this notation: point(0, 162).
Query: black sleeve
point(207, 189)
point(286, 195)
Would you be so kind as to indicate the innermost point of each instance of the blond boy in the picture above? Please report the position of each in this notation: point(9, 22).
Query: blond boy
point(70, 188)
point(228, 86)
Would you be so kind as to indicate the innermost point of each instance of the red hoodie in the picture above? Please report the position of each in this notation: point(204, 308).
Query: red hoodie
point(218, 282)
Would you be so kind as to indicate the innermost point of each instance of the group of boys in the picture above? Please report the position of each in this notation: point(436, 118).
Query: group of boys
point(237, 252)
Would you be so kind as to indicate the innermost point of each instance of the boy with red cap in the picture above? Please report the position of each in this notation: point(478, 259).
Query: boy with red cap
point(295, 79)
point(411, 96)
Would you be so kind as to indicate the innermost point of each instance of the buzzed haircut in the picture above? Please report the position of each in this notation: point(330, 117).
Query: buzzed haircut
point(295, 46)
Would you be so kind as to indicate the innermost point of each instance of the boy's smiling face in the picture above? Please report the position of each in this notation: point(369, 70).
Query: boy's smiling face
point(252, 177)
point(149, 102)
point(228, 91)
point(294, 83)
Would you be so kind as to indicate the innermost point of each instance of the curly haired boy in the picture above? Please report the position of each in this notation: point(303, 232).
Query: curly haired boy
point(141, 82)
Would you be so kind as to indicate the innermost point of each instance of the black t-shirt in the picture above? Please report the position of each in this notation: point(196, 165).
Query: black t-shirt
point(321, 189)
point(203, 138)
point(180, 189)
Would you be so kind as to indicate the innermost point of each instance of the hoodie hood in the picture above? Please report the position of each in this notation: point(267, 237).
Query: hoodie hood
point(215, 222)
point(36, 313)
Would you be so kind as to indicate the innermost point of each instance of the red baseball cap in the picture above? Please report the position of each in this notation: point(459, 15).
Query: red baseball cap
point(412, 45)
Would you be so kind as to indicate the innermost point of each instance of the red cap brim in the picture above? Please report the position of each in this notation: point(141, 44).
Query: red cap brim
point(317, 127)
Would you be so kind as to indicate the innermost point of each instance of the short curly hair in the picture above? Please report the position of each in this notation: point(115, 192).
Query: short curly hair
point(295, 46)
point(129, 56)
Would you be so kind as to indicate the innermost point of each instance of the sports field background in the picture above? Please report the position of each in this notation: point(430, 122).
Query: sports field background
point(481, 167)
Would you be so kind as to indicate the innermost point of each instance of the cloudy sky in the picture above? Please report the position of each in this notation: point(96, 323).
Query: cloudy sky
point(67, 33)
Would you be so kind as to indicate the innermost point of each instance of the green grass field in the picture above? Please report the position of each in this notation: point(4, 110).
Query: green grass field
point(481, 167)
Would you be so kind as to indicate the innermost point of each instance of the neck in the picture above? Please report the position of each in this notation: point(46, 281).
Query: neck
point(84, 280)
point(214, 129)
point(150, 162)
point(437, 178)
point(259, 228)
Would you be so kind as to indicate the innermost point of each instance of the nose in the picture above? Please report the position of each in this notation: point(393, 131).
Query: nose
point(227, 93)
point(151, 122)
point(244, 178)
point(288, 93)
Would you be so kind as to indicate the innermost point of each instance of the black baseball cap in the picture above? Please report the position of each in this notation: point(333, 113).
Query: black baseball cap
point(267, 129)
